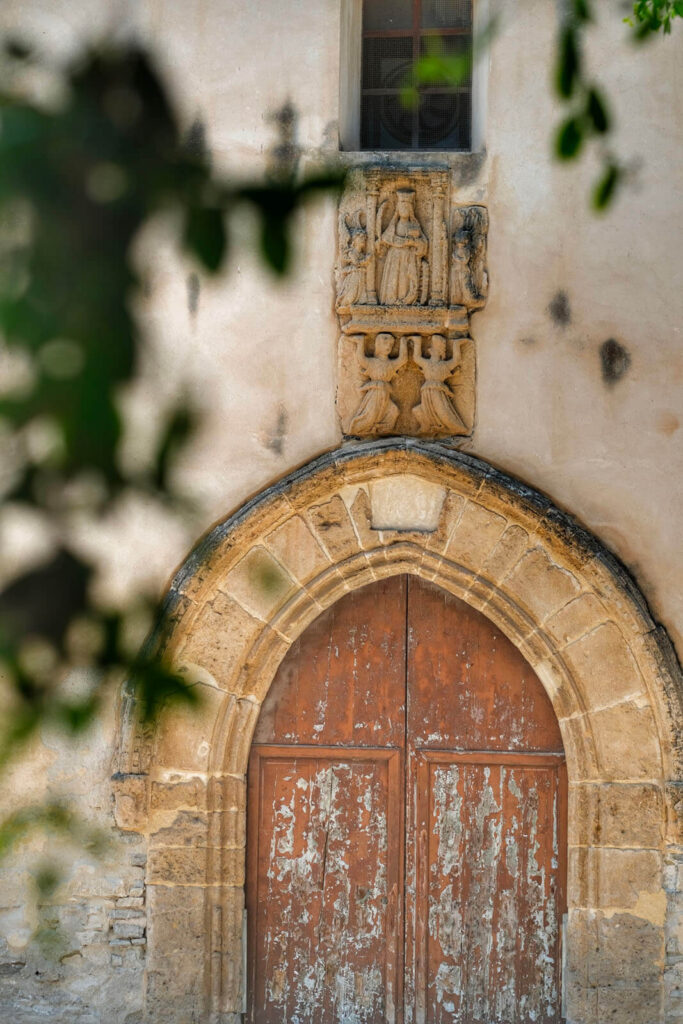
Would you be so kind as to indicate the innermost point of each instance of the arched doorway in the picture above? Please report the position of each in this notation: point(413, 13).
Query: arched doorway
point(260, 578)
point(407, 822)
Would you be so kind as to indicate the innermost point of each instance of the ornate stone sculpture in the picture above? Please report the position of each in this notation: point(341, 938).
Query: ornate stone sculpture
point(377, 413)
point(405, 277)
point(411, 266)
point(469, 280)
point(352, 275)
point(436, 412)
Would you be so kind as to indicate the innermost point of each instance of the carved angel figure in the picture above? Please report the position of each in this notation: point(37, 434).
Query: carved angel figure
point(469, 280)
point(351, 286)
point(377, 413)
point(436, 411)
point(405, 277)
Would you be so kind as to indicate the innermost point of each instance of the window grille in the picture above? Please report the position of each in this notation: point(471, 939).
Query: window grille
point(396, 33)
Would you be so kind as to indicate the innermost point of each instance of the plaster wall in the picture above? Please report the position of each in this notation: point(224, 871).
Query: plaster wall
point(260, 357)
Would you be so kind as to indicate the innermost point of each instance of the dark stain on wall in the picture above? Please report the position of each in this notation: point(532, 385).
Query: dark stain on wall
point(615, 361)
point(275, 441)
point(193, 292)
point(559, 309)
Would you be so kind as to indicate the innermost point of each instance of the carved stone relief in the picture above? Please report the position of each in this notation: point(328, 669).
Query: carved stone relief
point(410, 271)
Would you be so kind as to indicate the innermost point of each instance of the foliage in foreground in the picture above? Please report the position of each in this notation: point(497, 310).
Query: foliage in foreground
point(78, 181)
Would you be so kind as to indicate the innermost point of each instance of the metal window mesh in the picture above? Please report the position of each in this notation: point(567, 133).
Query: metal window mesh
point(441, 118)
point(446, 13)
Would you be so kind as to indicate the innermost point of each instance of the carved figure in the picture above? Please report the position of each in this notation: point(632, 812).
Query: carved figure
point(405, 277)
point(469, 280)
point(479, 225)
point(436, 411)
point(377, 413)
point(352, 276)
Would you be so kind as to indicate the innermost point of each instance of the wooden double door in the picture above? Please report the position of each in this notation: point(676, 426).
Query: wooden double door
point(406, 832)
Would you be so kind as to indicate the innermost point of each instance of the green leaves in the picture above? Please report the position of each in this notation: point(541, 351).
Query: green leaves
point(570, 138)
point(77, 185)
point(606, 185)
point(568, 64)
point(652, 16)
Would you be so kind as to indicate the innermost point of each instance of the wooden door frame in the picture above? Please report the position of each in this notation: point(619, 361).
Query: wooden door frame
point(255, 583)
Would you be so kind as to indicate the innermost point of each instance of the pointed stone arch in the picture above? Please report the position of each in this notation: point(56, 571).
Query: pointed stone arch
point(348, 518)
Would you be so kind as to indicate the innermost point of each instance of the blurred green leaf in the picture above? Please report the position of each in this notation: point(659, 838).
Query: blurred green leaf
point(569, 138)
point(568, 62)
point(606, 187)
point(597, 111)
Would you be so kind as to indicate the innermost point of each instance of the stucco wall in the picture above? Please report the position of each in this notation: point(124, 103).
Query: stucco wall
point(260, 355)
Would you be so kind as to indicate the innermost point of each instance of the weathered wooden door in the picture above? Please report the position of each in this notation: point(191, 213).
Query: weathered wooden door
point(406, 822)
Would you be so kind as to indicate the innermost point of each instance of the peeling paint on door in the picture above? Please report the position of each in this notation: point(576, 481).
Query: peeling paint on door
point(406, 823)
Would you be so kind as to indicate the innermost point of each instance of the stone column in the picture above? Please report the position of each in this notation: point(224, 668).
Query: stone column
point(438, 246)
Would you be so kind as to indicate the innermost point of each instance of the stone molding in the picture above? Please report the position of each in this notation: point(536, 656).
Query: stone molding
point(353, 516)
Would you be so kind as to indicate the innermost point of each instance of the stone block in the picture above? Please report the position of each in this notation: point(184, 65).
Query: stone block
point(603, 659)
point(625, 876)
point(576, 619)
point(238, 732)
point(297, 550)
point(188, 828)
point(332, 526)
point(185, 734)
point(227, 791)
point(177, 866)
point(635, 1004)
point(627, 742)
point(475, 535)
point(174, 794)
point(610, 877)
point(361, 513)
point(451, 512)
point(130, 903)
point(629, 950)
point(259, 583)
point(128, 929)
point(582, 1004)
point(506, 554)
point(541, 585)
point(614, 814)
point(219, 637)
point(176, 924)
point(195, 866)
point(406, 502)
point(212, 829)
point(130, 801)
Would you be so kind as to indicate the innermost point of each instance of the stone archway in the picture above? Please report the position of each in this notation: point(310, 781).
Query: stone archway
point(348, 518)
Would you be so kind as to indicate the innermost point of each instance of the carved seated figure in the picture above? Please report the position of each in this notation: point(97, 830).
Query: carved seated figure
point(436, 412)
point(377, 413)
point(405, 276)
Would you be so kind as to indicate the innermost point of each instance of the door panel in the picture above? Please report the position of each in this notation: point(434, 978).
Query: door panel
point(469, 688)
point(488, 887)
point(326, 828)
point(407, 811)
point(343, 681)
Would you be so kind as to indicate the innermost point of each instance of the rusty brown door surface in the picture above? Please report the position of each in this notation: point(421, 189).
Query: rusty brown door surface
point(407, 807)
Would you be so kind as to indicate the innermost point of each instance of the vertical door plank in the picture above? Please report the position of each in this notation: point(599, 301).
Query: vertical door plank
point(322, 900)
point(488, 890)
point(485, 823)
point(469, 687)
point(343, 681)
